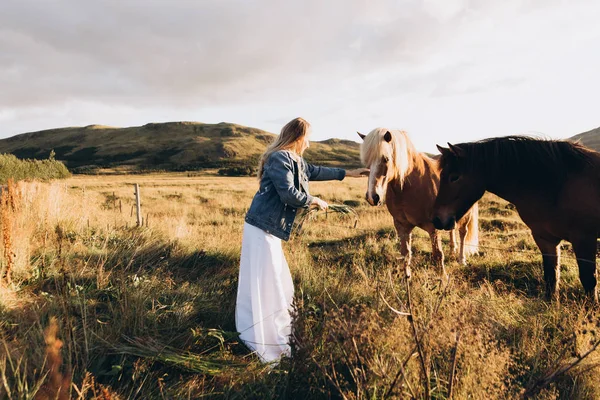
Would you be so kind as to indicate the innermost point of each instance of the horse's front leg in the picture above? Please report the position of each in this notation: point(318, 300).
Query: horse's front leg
point(551, 260)
point(585, 250)
point(453, 243)
point(462, 234)
point(436, 248)
point(405, 242)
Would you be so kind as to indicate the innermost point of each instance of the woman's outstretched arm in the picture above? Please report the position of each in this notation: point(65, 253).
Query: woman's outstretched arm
point(317, 173)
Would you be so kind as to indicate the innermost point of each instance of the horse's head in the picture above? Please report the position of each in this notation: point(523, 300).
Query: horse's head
point(385, 153)
point(461, 185)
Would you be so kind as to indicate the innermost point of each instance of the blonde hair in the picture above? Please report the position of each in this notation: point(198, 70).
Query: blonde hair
point(290, 138)
point(399, 148)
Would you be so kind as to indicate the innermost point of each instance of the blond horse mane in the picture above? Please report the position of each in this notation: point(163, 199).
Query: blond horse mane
point(402, 151)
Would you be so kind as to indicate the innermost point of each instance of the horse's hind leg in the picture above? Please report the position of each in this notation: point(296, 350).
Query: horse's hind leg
point(585, 250)
point(551, 260)
point(405, 238)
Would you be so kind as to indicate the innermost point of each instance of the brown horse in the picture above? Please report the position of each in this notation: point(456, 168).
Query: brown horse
point(409, 181)
point(554, 184)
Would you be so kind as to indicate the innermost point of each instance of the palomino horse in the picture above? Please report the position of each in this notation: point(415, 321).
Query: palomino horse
point(555, 186)
point(409, 181)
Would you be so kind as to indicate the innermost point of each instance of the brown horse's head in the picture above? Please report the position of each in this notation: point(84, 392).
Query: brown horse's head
point(388, 156)
point(461, 186)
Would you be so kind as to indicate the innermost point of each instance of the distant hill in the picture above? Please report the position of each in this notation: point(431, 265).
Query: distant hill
point(165, 146)
point(589, 138)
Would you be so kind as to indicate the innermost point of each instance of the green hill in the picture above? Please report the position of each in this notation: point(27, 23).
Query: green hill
point(589, 138)
point(165, 146)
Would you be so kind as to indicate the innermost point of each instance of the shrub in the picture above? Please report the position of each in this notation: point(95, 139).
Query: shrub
point(17, 169)
point(238, 171)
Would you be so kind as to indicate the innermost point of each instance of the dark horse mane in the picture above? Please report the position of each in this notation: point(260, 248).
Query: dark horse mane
point(535, 162)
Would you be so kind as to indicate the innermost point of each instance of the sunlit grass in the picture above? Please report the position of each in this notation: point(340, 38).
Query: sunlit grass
point(148, 312)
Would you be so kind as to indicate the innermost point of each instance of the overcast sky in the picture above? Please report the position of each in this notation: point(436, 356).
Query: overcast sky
point(447, 70)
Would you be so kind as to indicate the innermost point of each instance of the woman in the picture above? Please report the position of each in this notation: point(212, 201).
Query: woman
point(265, 288)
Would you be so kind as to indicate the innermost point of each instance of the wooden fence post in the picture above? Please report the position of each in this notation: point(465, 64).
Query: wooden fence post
point(138, 206)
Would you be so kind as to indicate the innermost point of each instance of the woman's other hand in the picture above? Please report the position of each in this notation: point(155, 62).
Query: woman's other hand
point(317, 202)
point(358, 172)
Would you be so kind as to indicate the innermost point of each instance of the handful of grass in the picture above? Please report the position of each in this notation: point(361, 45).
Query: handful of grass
point(312, 213)
point(184, 360)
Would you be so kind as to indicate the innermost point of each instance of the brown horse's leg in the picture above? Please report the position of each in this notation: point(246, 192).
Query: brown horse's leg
point(405, 238)
point(551, 260)
point(462, 234)
point(436, 249)
point(585, 250)
point(453, 241)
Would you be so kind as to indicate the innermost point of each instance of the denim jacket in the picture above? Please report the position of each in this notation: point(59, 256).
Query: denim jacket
point(283, 189)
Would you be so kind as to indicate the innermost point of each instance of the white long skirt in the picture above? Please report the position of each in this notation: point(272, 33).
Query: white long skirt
point(265, 294)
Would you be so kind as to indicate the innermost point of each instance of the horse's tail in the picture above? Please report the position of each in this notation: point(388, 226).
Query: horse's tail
point(472, 238)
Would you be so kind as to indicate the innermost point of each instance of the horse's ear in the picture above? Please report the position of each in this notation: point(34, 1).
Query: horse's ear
point(361, 135)
point(457, 151)
point(443, 151)
point(388, 136)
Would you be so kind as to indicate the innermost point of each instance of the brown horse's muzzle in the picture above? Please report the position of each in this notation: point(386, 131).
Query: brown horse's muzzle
point(446, 224)
point(375, 201)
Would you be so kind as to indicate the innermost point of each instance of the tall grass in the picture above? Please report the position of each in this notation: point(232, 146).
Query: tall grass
point(148, 312)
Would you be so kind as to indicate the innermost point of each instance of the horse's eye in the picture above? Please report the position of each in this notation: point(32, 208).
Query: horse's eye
point(453, 178)
point(385, 159)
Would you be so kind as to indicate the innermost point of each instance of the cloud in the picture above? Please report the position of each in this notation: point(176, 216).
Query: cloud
point(182, 52)
point(258, 62)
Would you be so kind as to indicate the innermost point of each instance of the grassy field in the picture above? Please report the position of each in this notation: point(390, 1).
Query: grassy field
point(96, 307)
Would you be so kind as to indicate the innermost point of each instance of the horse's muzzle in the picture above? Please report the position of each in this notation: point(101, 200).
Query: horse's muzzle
point(375, 201)
point(446, 225)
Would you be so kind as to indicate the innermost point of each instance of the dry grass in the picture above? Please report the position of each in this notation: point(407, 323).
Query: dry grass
point(148, 312)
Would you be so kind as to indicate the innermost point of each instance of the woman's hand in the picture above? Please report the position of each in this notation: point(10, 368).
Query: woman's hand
point(358, 172)
point(317, 202)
